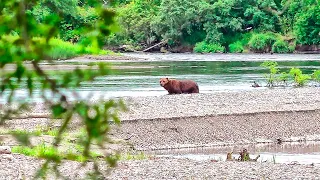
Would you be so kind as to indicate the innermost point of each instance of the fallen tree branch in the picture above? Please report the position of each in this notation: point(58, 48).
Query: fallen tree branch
point(162, 42)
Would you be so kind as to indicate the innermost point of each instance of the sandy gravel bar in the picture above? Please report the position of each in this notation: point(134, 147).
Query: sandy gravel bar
point(221, 130)
point(19, 167)
point(202, 104)
point(195, 120)
point(22, 167)
point(191, 169)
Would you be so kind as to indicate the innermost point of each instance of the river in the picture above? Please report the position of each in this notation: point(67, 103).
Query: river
point(212, 72)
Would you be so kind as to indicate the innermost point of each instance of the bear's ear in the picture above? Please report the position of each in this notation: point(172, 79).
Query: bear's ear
point(167, 79)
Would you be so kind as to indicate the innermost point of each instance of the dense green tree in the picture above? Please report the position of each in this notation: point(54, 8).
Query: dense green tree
point(221, 22)
point(135, 19)
point(307, 25)
point(178, 19)
point(75, 16)
point(222, 18)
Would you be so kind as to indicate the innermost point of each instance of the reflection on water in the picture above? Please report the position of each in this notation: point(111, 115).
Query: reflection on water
point(281, 158)
point(303, 153)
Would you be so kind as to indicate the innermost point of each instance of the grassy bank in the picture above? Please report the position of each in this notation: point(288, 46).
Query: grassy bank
point(64, 50)
point(60, 49)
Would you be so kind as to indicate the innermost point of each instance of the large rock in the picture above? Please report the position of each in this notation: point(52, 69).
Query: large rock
point(5, 150)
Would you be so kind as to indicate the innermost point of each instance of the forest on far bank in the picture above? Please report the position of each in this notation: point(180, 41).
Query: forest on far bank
point(280, 26)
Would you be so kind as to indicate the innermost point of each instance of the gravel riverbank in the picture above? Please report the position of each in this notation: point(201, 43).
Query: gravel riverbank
point(202, 104)
point(175, 121)
point(186, 132)
point(191, 169)
point(21, 167)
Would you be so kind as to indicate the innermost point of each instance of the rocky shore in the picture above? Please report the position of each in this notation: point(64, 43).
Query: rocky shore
point(198, 120)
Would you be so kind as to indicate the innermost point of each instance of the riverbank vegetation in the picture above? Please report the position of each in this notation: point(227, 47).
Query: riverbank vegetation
point(294, 76)
point(219, 25)
point(278, 26)
point(61, 49)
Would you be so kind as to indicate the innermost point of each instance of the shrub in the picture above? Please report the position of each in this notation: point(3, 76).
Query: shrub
point(281, 46)
point(236, 47)
point(60, 49)
point(64, 50)
point(273, 71)
point(262, 42)
point(203, 47)
point(283, 78)
point(299, 78)
point(316, 75)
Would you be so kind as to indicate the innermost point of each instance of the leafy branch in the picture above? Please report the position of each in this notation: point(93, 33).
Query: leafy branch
point(20, 46)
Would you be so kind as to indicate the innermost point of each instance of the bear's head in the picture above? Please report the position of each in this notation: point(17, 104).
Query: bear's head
point(164, 81)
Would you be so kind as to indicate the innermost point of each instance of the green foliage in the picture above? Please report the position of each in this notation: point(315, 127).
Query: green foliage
point(299, 78)
point(316, 75)
point(288, 14)
point(41, 151)
point(71, 29)
point(281, 46)
point(33, 42)
point(221, 19)
point(203, 47)
point(64, 50)
point(177, 19)
point(307, 26)
point(197, 35)
point(216, 22)
point(273, 71)
point(134, 19)
point(61, 49)
point(284, 77)
point(74, 16)
point(262, 42)
point(295, 74)
point(23, 132)
point(44, 151)
point(236, 47)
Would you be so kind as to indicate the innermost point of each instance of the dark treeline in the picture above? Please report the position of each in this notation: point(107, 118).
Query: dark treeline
point(200, 25)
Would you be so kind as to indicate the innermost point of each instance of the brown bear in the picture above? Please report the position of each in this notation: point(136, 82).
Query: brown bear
point(174, 86)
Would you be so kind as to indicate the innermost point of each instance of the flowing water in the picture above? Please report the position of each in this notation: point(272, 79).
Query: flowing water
point(213, 73)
